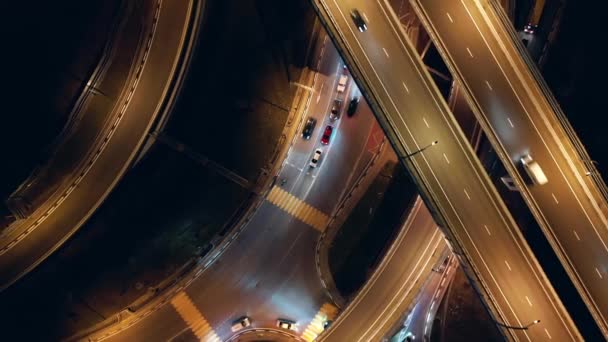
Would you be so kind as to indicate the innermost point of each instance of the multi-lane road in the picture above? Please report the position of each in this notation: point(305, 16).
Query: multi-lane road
point(395, 284)
point(520, 120)
point(453, 181)
point(269, 270)
point(116, 143)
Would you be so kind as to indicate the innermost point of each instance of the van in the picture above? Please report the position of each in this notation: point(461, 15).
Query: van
point(533, 170)
point(342, 83)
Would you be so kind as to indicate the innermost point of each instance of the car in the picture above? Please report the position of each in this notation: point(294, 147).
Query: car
point(342, 80)
point(240, 324)
point(327, 324)
point(335, 110)
point(327, 135)
point(358, 19)
point(316, 157)
point(536, 174)
point(530, 28)
point(309, 127)
point(286, 324)
point(352, 106)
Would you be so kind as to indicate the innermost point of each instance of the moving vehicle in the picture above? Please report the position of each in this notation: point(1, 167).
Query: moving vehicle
point(309, 127)
point(358, 20)
point(327, 135)
point(335, 110)
point(240, 324)
point(342, 83)
point(530, 28)
point(533, 170)
point(316, 157)
point(352, 106)
point(286, 324)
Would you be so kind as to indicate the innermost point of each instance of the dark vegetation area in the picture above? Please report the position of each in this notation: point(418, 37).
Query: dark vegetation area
point(370, 228)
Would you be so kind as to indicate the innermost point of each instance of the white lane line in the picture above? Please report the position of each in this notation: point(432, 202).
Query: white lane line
point(488, 84)
point(576, 235)
point(510, 123)
point(443, 191)
point(442, 282)
point(506, 263)
point(366, 18)
point(466, 193)
point(599, 273)
point(446, 158)
point(385, 52)
point(406, 88)
point(547, 331)
point(426, 123)
point(555, 198)
point(487, 229)
point(449, 17)
point(470, 53)
point(528, 299)
point(320, 91)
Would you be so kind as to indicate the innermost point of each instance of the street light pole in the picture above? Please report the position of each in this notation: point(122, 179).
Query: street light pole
point(420, 150)
point(525, 327)
point(593, 162)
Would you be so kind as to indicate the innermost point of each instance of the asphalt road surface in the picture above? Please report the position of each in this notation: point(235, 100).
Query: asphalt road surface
point(46, 229)
point(268, 271)
point(452, 175)
point(395, 284)
point(520, 117)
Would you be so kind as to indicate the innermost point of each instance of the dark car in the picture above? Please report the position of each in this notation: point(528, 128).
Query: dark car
point(327, 135)
point(358, 19)
point(352, 106)
point(309, 127)
point(335, 110)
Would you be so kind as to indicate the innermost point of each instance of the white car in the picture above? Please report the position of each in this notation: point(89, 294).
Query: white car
point(240, 324)
point(286, 324)
point(533, 170)
point(315, 158)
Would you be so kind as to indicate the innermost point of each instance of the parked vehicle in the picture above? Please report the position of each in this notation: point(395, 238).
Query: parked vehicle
point(342, 83)
point(316, 157)
point(352, 106)
point(309, 127)
point(335, 110)
point(327, 135)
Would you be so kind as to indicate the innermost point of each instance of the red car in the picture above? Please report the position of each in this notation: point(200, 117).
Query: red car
point(327, 135)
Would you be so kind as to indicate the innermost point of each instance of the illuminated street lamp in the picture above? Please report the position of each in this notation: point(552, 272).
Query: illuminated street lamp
point(593, 162)
point(420, 150)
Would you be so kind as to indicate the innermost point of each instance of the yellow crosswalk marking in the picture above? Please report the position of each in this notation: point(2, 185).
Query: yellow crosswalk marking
point(327, 312)
point(195, 320)
point(297, 208)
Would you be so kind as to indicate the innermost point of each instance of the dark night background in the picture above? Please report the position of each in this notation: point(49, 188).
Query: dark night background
point(50, 47)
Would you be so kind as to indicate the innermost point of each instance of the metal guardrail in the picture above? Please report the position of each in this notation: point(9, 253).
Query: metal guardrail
point(578, 146)
point(455, 244)
point(23, 201)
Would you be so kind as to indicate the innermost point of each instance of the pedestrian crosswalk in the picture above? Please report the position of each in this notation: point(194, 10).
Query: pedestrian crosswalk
point(193, 317)
point(328, 312)
point(298, 208)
